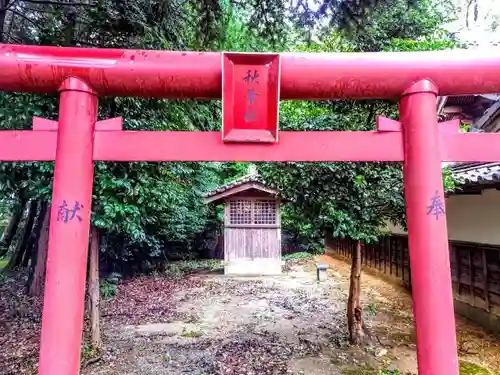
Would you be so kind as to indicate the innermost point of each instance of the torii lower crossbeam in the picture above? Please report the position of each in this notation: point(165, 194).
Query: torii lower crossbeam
point(328, 146)
point(78, 139)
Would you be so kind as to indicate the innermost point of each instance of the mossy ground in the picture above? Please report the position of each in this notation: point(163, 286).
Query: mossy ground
point(466, 368)
point(469, 368)
point(3, 263)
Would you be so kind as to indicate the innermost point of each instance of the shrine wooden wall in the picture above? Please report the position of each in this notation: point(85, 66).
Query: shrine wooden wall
point(475, 272)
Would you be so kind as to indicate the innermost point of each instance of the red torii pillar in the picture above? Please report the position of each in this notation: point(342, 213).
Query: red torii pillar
point(427, 230)
point(420, 142)
point(69, 230)
point(428, 244)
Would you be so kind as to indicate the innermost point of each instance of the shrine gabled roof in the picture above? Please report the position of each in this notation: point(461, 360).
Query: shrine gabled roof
point(477, 173)
point(251, 181)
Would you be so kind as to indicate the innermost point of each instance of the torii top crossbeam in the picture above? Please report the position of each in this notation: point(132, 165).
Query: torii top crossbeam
point(167, 74)
point(250, 86)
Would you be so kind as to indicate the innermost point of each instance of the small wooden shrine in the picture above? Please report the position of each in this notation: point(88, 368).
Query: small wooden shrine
point(252, 226)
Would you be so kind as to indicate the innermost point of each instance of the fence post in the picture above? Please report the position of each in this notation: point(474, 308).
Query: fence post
point(471, 277)
point(485, 280)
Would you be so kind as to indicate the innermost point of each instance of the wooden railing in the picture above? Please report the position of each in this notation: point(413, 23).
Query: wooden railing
point(475, 268)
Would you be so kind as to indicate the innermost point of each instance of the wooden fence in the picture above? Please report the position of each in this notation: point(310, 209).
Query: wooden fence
point(475, 268)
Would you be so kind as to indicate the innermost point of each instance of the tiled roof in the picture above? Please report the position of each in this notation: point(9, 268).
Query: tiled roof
point(232, 184)
point(477, 173)
point(251, 177)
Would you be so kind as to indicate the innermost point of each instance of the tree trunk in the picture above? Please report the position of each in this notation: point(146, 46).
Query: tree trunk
point(15, 260)
point(94, 289)
point(3, 14)
point(11, 229)
point(35, 244)
point(354, 311)
point(30, 253)
point(38, 275)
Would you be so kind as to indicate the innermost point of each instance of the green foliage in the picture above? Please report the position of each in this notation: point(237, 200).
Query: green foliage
point(451, 181)
point(370, 371)
point(150, 213)
point(108, 288)
point(394, 20)
point(389, 372)
point(469, 368)
point(87, 351)
point(372, 309)
point(3, 263)
point(271, 18)
point(295, 256)
point(146, 211)
point(191, 334)
point(182, 268)
point(422, 44)
point(353, 199)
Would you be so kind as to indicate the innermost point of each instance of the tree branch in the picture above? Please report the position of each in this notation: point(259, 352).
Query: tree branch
point(7, 5)
point(371, 114)
point(61, 3)
point(23, 16)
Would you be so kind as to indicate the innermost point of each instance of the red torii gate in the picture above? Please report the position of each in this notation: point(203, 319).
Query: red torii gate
point(77, 139)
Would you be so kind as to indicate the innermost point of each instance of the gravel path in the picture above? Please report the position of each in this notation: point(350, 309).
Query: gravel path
point(281, 325)
point(216, 325)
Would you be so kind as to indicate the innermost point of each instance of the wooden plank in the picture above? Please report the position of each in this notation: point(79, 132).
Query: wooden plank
point(367, 252)
point(457, 265)
point(397, 252)
point(384, 249)
point(471, 276)
point(379, 255)
point(390, 254)
point(403, 262)
point(485, 281)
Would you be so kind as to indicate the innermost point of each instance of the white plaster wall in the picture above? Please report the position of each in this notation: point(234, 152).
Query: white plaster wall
point(471, 218)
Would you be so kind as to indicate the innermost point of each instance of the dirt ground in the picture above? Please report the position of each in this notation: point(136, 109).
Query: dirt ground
point(209, 324)
point(271, 325)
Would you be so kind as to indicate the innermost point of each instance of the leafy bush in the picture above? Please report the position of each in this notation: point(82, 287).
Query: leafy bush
point(299, 255)
point(181, 268)
point(389, 372)
point(108, 288)
point(191, 334)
